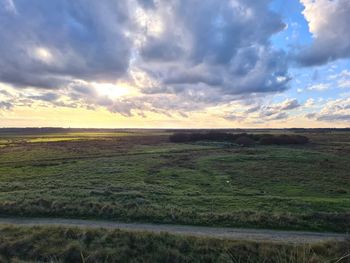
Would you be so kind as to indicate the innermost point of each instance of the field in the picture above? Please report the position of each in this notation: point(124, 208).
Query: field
point(139, 175)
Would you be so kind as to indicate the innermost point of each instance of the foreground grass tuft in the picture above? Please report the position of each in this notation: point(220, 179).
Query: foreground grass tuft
point(59, 244)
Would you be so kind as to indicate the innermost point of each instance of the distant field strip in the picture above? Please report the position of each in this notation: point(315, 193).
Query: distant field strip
point(264, 235)
point(94, 156)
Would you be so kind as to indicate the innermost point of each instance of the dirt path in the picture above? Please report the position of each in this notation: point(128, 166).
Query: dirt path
point(297, 237)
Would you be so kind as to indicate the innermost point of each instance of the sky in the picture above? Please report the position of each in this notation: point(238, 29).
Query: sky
point(175, 63)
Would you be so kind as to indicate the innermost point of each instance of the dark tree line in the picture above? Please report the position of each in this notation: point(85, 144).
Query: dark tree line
point(243, 139)
point(283, 139)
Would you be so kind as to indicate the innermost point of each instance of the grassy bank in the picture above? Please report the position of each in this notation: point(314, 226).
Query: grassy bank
point(57, 244)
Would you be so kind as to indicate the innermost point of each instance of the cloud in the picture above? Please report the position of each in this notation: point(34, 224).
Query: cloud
point(48, 43)
point(319, 87)
point(279, 116)
point(49, 96)
point(333, 111)
point(147, 3)
point(334, 117)
point(286, 105)
point(179, 55)
point(310, 115)
point(328, 22)
point(309, 103)
point(221, 46)
point(344, 83)
point(5, 105)
point(234, 117)
point(342, 78)
point(263, 111)
point(9, 6)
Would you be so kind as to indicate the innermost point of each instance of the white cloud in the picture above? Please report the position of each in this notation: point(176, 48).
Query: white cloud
point(319, 87)
point(309, 103)
point(344, 83)
point(328, 22)
point(9, 6)
point(43, 54)
point(343, 78)
point(337, 110)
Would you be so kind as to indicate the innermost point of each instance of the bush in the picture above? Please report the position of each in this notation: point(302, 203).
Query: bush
point(179, 137)
point(283, 139)
point(241, 138)
point(245, 141)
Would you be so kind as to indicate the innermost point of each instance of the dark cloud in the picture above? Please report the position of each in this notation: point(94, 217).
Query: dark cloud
point(146, 3)
point(49, 96)
point(124, 107)
point(5, 92)
point(279, 116)
point(5, 105)
point(290, 104)
point(162, 50)
point(310, 115)
point(194, 75)
point(193, 53)
point(234, 117)
point(47, 41)
point(253, 109)
point(334, 117)
point(224, 45)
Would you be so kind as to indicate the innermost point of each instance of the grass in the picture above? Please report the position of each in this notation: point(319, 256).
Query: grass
point(58, 137)
point(143, 177)
point(58, 244)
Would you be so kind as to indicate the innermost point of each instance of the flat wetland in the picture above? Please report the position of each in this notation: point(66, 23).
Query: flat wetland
point(139, 175)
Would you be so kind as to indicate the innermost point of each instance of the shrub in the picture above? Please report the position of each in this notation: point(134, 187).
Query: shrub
point(179, 137)
point(241, 138)
point(340, 191)
point(245, 141)
point(283, 139)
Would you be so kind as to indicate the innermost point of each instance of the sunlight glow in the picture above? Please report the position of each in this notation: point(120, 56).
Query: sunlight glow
point(110, 90)
point(43, 54)
point(150, 21)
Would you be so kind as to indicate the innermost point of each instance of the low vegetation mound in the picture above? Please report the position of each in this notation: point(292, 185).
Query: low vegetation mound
point(243, 139)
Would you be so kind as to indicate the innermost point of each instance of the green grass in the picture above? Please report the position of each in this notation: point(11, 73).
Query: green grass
point(58, 244)
point(9, 139)
point(146, 178)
